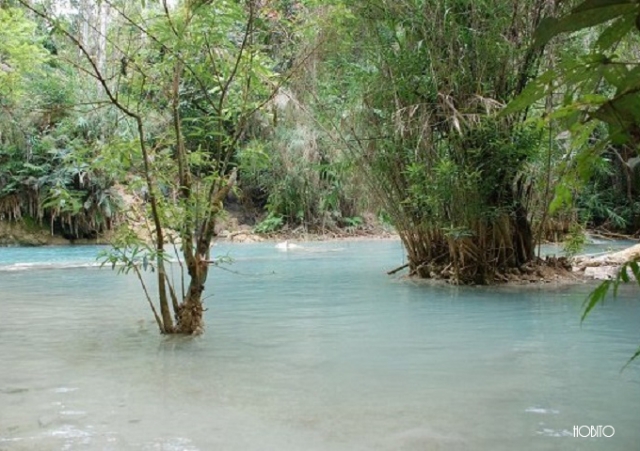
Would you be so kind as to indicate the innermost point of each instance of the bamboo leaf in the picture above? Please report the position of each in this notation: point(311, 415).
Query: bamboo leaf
point(632, 80)
point(633, 357)
point(535, 90)
point(588, 14)
point(623, 274)
point(615, 32)
point(595, 297)
point(635, 270)
point(562, 197)
point(593, 4)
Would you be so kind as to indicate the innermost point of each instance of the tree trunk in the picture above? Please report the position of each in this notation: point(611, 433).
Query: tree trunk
point(190, 313)
point(522, 237)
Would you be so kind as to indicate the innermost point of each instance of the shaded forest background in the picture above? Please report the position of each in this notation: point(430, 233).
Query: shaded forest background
point(318, 116)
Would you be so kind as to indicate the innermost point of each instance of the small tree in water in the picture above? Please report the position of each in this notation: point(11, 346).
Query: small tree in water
point(188, 80)
point(447, 171)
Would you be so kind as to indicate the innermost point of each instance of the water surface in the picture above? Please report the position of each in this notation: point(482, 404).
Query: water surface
point(313, 349)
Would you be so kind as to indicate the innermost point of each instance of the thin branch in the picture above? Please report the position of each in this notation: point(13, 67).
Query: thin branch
point(243, 46)
point(146, 293)
point(172, 293)
point(166, 13)
point(173, 53)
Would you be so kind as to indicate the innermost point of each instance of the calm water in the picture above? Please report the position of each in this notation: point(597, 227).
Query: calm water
point(314, 349)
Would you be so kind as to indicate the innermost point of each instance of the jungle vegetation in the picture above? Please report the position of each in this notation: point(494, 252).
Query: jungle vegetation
point(477, 129)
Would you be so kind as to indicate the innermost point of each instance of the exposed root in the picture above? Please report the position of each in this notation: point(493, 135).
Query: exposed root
point(550, 269)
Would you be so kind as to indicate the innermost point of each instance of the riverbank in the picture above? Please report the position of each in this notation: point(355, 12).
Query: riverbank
point(31, 233)
point(548, 270)
point(246, 235)
point(231, 228)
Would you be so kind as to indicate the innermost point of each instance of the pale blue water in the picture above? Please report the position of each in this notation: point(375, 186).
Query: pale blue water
point(313, 349)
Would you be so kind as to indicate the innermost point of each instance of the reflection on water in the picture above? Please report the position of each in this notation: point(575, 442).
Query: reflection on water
point(310, 351)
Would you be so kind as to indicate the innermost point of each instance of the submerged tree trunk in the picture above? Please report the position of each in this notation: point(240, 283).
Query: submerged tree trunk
point(190, 313)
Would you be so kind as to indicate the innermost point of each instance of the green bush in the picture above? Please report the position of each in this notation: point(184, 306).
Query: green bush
point(270, 224)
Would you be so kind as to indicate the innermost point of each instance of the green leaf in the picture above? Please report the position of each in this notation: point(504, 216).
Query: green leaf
point(617, 75)
point(562, 197)
point(622, 114)
point(598, 295)
point(633, 357)
point(588, 14)
point(632, 80)
point(572, 72)
point(534, 91)
point(594, 4)
point(615, 32)
point(635, 270)
point(623, 275)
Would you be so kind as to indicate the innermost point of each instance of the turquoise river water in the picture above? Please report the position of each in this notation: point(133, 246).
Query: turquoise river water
point(310, 349)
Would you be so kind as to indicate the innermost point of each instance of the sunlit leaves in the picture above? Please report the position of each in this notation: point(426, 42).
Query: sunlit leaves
point(20, 52)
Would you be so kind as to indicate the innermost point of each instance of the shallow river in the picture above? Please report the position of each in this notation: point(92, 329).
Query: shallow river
point(312, 349)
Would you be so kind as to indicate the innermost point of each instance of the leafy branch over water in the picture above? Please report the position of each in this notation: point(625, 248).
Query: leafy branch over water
point(599, 89)
point(599, 295)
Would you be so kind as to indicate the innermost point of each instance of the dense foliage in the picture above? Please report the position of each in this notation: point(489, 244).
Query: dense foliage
point(50, 168)
point(590, 90)
point(419, 117)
